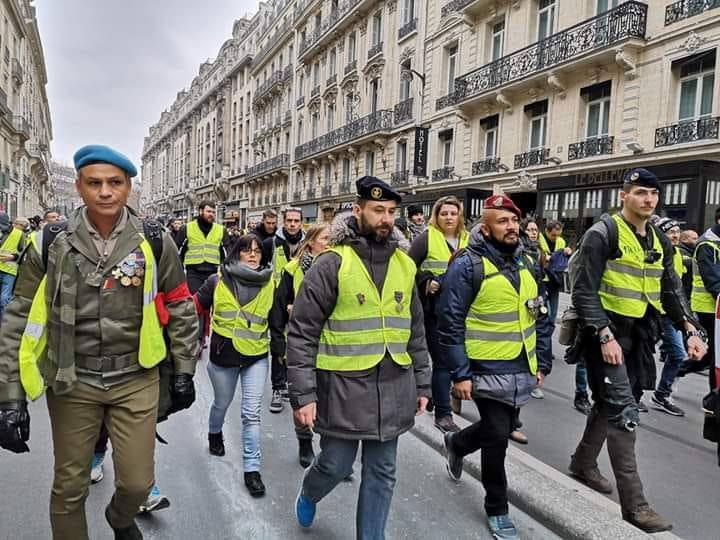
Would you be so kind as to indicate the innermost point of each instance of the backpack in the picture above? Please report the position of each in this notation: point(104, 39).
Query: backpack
point(613, 241)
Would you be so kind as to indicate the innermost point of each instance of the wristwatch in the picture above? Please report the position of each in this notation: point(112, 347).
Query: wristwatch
point(696, 333)
point(606, 338)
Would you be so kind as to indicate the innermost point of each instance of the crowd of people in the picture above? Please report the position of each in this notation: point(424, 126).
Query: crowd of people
point(363, 323)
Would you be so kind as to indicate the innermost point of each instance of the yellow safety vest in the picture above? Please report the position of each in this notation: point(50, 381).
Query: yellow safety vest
point(545, 247)
point(701, 301)
point(245, 325)
point(365, 324)
point(279, 261)
point(499, 323)
point(11, 247)
point(293, 268)
point(438, 253)
point(678, 262)
point(201, 248)
point(33, 343)
point(628, 283)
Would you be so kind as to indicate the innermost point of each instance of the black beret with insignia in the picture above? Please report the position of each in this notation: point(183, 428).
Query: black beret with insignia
point(371, 188)
point(642, 178)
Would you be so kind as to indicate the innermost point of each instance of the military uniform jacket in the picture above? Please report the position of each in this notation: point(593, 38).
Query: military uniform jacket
point(107, 315)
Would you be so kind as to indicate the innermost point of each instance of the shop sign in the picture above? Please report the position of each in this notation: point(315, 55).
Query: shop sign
point(421, 150)
point(600, 178)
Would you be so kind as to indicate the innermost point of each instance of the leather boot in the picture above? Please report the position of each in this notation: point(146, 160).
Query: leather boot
point(216, 444)
point(647, 519)
point(305, 452)
point(131, 532)
point(621, 448)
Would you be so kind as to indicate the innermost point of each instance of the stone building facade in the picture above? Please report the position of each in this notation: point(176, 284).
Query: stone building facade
point(550, 101)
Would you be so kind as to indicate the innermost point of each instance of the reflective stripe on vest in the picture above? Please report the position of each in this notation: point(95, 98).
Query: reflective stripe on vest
point(279, 261)
point(629, 284)
point(365, 324)
point(499, 323)
point(701, 300)
point(33, 342)
point(10, 247)
point(201, 248)
point(293, 268)
point(438, 252)
point(245, 325)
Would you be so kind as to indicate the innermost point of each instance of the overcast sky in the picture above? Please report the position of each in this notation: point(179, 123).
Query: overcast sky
point(113, 66)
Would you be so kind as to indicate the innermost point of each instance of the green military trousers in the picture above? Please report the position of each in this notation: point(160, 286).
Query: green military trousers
point(129, 411)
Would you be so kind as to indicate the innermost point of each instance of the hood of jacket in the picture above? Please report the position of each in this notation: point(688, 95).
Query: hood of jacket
point(280, 233)
point(344, 230)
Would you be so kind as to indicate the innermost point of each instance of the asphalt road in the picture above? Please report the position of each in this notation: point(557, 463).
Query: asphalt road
point(209, 499)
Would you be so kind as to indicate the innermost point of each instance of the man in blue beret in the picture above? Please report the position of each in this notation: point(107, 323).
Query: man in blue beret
point(97, 346)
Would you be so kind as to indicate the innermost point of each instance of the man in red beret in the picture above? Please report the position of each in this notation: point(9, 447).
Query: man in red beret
point(491, 346)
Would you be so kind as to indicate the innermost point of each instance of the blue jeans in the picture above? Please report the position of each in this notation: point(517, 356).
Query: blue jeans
point(673, 349)
point(441, 383)
point(335, 462)
point(553, 301)
point(7, 282)
point(252, 383)
point(581, 380)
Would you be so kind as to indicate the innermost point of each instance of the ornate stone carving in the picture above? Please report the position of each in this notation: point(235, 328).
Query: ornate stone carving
point(556, 84)
point(627, 62)
point(392, 5)
point(374, 69)
point(363, 26)
point(504, 101)
point(407, 53)
point(693, 41)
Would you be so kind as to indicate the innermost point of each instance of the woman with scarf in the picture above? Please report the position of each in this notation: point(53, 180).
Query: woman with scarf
point(316, 241)
point(432, 251)
point(240, 297)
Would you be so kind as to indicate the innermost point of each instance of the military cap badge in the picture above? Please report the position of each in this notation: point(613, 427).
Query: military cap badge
point(376, 193)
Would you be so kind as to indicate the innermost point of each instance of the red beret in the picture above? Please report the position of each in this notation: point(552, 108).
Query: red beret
point(501, 202)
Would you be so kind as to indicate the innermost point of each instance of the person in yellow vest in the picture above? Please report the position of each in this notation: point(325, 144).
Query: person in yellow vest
point(550, 241)
point(487, 309)
point(619, 292)
point(316, 241)
point(431, 251)
point(202, 245)
point(278, 250)
point(358, 367)
point(12, 243)
point(240, 297)
point(85, 324)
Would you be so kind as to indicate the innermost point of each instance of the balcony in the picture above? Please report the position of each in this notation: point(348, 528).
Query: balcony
point(315, 91)
point(407, 28)
point(311, 193)
point(404, 111)
point(21, 126)
point(592, 40)
point(287, 118)
point(300, 101)
point(531, 158)
point(272, 165)
point(267, 199)
point(468, 7)
point(276, 79)
point(485, 166)
point(283, 32)
point(684, 9)
point(375, 50)
point(594, 146)
point(687, 131)
point(16, 71)
point(333, 25)
point(371, 124)
point(350, 67)
point(326, 190)
point(400, 178)
point(3, 102)
point(443, 173)
point(297, 196)
point(331, 80)
point(344, 188)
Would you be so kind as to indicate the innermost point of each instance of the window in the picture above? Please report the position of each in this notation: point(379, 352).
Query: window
point(452, 53)
point(401, 156)
point(346, 171)
point(370, 163)
point(331, 63)
point(315, 122)
point(446, 147)
point(598, 109)
point(546, 18)
point(330, 115)
point(374, 91)
point(498, 40)
point(606, 5)
point(327, 174)
point(408, 11)
point(537, 112)
point(377, 28)
point(318, 21)
point(675, 193)
point(316, 74)
point(351, 48)
point(301, 86)
point(348, 108)
point(405, 80)
point(489, 127)
point(697, 78)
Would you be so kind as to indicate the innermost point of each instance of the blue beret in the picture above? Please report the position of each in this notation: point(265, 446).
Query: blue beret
point(97, 153)
point(371, 188)
point(642, 177)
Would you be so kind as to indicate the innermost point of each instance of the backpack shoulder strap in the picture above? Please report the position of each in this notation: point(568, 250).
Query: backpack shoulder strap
point(613, 235)
point(153, 232)
point(48, 234)
point(478, 269)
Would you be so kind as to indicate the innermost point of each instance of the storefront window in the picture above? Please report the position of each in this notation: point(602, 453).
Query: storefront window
point(593, 203)
point(675, 201)
point(551, 203)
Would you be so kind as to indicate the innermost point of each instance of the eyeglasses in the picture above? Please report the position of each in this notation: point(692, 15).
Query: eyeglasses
point(249, 251)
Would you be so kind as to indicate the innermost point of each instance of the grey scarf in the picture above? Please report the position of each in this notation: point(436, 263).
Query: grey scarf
point(245, 282)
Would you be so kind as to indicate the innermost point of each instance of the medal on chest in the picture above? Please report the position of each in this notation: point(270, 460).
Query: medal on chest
point(130, 270)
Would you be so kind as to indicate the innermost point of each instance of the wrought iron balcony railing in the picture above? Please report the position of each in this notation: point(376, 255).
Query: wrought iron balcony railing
point(332, 79)
point(400, 178)
point(297, 196)
point(445, 101)
point(344, 188)
point(443, 173)
point(3, 101)
point(687, 131)
point(300, 101)
point(350, 67)
point(408, 27)
point(343, 9)
point(684, 9)
point(594, 146)
point(326, 190)
point(276, 163)
point(21, 125)
point(375, 50)
point(626, 21)
point(404, 111)
point(315, 91)
point(274, 79)
point(282, 32)
point(367, 125)
point(530, 158)
point(311, 193)
point(484, 166)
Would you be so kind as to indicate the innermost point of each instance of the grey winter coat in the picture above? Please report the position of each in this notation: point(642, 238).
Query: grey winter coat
point(375, 404)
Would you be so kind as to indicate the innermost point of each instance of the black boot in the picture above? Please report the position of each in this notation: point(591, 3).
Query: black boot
point(131, 532)
point(305, 452)
point(217, 447)
point(254, 483)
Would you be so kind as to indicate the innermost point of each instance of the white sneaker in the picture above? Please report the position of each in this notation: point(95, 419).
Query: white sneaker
point(96, 472)
point(537, 393)
point(155, 501)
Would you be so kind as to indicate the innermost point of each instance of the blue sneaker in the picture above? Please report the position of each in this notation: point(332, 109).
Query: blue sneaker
point(155, 501)
point(96, 470)
point(502, 527)
point(304, 509)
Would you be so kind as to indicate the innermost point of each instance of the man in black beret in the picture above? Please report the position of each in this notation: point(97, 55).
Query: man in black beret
point(358, 367)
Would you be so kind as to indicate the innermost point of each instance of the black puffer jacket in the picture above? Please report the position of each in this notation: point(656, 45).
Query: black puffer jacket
point(374, 404)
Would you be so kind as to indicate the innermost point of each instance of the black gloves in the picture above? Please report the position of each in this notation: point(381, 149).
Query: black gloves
point(182, 392)
point(14, 426)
